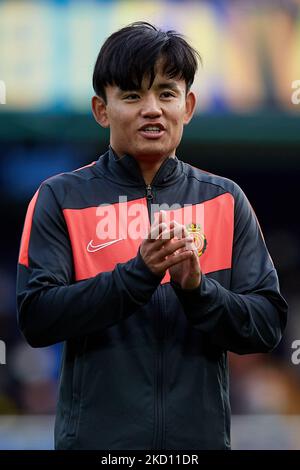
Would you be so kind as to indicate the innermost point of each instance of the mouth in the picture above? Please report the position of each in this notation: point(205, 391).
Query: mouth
point(152, 131)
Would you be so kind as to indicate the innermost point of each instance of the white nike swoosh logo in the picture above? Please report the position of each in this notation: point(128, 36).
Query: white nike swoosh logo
point(91, 248)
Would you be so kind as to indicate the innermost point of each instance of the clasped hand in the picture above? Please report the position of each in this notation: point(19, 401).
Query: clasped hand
point(170, 246)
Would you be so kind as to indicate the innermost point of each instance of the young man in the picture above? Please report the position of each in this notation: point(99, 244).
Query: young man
point(147, 301)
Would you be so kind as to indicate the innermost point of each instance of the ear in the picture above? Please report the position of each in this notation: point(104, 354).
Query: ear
point(190, 104)
point(100, 111)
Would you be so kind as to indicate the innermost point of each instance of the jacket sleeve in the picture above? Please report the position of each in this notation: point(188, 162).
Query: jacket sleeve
point(249, 317)
point(52, 307)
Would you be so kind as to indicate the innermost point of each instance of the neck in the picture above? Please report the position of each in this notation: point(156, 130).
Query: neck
point(149, 167)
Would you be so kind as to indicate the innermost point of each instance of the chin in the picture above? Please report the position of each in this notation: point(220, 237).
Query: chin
point(153, 153)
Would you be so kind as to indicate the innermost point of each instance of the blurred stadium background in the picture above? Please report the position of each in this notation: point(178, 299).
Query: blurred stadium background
point(246, 128)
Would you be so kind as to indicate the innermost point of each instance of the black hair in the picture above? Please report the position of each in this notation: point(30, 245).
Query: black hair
point(133, 51)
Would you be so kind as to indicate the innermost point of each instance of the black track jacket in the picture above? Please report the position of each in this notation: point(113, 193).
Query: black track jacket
point(144, 363)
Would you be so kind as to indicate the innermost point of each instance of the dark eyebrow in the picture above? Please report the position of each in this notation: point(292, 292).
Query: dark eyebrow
point(172, 85)
point(133, 90)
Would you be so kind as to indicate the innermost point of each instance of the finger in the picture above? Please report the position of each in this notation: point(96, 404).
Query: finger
point(162, 216)
point(156, 229)
point(167, 233)
point(176, 245)
point(174, 231)
point(159, 225)
point(172, 260)
point(169, 248)
point(195, 265)
point(180, 230)
point(159, 252)
point(195, 270)
point(191, 244)
point(168, 251)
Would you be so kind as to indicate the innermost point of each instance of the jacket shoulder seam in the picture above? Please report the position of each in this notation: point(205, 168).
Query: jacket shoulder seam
point(226, 190)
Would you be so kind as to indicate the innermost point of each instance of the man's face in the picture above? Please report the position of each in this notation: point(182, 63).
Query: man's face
point(147, 123)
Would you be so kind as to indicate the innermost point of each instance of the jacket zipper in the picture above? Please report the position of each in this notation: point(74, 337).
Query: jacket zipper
point(149, 197)
point(159, 445)
point(159, 406)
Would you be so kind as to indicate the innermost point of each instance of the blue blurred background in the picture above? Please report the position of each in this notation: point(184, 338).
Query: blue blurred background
point(247, 128)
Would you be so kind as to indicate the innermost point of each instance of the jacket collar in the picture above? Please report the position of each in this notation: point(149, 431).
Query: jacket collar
point(126, 170)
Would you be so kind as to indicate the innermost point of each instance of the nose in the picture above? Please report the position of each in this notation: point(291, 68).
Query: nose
point(151, 107)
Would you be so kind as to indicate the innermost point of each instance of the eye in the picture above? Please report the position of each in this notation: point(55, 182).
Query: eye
point(131, 97)
point(168, 94)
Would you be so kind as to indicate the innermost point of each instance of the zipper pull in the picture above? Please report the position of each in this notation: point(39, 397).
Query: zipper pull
point(149, 194)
